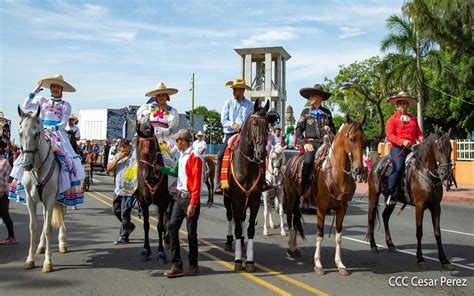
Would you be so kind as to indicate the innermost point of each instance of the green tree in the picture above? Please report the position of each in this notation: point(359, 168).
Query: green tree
point(361, 89)
point(411, 51)
point(449, 24)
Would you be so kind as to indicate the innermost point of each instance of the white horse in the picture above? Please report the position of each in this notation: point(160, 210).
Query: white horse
point(40, 180)
point(274, 179)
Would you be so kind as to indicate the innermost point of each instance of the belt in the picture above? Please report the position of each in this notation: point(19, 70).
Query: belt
point(183, 194)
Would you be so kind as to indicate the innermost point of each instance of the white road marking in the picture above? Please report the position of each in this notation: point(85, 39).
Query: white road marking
point(458, 232)
point(407, 252)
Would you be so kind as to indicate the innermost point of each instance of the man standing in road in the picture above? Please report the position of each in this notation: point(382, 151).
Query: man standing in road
point(187, 203)
point(200, 145)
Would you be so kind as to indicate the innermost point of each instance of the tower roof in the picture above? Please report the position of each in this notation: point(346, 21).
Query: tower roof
point(258, 52)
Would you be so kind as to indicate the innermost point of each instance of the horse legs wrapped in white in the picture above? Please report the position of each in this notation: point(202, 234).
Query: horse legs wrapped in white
point(265, 212)
point(250, 250)
point(317, 256)
point(338, 260)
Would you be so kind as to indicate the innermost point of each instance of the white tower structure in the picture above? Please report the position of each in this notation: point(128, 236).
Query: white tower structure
point(264, 68)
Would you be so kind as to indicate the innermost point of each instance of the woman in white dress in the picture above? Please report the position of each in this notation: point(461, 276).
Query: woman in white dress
point(55, 112)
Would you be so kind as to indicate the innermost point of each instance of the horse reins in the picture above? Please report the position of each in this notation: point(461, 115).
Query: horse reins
point(40, 185)
point(152, 165)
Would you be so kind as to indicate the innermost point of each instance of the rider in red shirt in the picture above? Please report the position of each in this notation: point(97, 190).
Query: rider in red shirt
point(403, 132)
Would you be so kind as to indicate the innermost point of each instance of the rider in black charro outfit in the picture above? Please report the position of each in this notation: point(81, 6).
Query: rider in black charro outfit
point(315, 121)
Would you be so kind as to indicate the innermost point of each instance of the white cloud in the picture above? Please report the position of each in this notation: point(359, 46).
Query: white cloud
point(270, 36)
point(347, 32)
point(94, 10)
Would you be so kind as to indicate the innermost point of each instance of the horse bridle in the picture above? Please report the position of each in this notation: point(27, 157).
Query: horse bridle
point(35, 172)
point(253, 141)
point(152, 165)
point(439, 165)
point(349, 154)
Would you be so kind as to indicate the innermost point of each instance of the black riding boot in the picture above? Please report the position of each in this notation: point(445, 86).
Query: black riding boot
point(304, 204)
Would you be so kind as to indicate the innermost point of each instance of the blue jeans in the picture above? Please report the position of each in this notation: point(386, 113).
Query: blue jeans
point(398, 156)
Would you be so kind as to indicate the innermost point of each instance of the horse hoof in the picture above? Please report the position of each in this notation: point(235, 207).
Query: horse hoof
point(29, 264)
point(40, 250)
point(272, 226)
point(265, 233)
point(392, 249)
point(343, 272)
point(297, 253)
point(448, 266)
point(249, 267)
point(145, 254)
point(374, 250)
point(319, 271)
point(47, 267)
point(228, 248)
point(62, 249)
point(422, 265)
point(161, 258)
point(283, 233)
point(238, 266)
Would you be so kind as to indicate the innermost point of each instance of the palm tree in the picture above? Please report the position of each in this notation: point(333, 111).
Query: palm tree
point(411, 51)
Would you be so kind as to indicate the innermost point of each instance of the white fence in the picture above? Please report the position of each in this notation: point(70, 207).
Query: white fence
point(465, 150)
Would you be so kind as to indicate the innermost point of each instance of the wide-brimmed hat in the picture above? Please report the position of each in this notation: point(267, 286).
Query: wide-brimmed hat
point(237, 83)
point(317, 89)
point(58, 80)
point(200, 133)
point(161, 89)
point(182, 134)
point(402, 96)
point(72, 116)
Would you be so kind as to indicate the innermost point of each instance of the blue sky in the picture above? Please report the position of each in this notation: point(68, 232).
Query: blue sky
point(113, 52)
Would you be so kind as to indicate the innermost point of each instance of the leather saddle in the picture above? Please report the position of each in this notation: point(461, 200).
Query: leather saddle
point(402, 190)
point(295, 165)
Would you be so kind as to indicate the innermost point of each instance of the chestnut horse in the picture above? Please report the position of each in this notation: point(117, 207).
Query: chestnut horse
point(425, 185)
point(335, 188)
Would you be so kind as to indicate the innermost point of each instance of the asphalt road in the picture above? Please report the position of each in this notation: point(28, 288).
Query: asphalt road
point(95, 266)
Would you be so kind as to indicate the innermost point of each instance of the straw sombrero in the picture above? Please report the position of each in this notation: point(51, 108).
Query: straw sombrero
point(238, 83)
point(402, 96)
point(317, 89)
point(72, 116)
point(200, 133)
point(161, 89)
point(58, 80)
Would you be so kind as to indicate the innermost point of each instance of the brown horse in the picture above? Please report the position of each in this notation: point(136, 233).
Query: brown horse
point(425, 189)
point(246, 179)
point(335, 188)
point(152, 188)
point(210, 175)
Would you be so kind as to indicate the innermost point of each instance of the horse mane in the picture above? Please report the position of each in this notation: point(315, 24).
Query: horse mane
point(424, 150)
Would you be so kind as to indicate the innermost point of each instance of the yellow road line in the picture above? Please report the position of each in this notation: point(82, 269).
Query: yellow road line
point(249, 276)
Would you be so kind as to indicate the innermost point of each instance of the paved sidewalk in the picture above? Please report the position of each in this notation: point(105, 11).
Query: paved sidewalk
point(463, 195)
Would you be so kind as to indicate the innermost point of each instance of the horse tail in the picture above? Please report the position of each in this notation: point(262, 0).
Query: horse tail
point(57, 220)
point(298, 218)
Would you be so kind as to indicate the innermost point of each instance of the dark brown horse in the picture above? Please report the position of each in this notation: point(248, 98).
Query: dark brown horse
point(152, 188)
point(425, 189)
point(335, 188)
point(209, 176)
point(246, 179)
